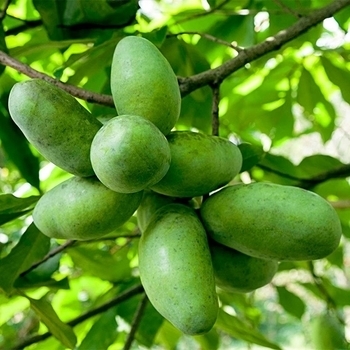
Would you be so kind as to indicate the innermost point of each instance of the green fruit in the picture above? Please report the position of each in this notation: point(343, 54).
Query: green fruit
point(55, 123)
point(143, 83)
point(199, 164)
point(271, 221)
point(129, 154)
point(176, 269)
point(327, 333)
point(238, 272)
point(82, 209)
point(151, 202)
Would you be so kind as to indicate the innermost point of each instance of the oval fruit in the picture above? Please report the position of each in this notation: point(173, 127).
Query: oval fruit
point(129, 154)
point(176, 269)
point(272, 221)
point(143, 83)
point(55, 123)
point(238, 272)
point(199, 164)
point(151, 202)
point(82, 209)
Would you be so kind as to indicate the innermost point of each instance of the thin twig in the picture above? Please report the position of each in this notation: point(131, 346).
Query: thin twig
point(88, 96)
point(127, 294)
point(49, 255)
point(136, 322)
point(22, 27)
point(287, 9)
point(318, 282)
point(202, 14)
point(3, 11)
point(215, 109)
point(210, 38)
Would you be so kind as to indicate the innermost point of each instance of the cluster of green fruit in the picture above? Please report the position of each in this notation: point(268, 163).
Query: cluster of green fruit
point(232, 239)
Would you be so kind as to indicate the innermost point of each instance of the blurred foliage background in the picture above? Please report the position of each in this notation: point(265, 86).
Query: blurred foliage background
point(289, 112)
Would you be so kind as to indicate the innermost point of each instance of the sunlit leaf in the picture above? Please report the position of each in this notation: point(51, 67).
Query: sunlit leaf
point(12, 207)
point(48, 316)
point(32, 247)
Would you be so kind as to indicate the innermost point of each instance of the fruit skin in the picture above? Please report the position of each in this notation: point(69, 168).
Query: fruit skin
point(272, 221)
point(327, 333)
point(199, 164)
point(82, 209)
point(129, 153)
point(143, 83)
point(151, 202)
point(53, 121)
point(176, 269)
point(238, 272)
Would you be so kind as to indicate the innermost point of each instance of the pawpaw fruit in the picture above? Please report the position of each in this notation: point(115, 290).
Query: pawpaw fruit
point(129, 154)
point(143, 83)
point(55, 123)
point(83, 208)
point(176, 269)
point(199, 164)
point(238, 272)
point(272, 221)
point(150, 203)
point(327, 333)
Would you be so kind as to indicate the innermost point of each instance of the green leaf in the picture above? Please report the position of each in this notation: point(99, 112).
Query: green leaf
point(290, 302)
point(24, 282)
point(17, 148)
point(101, 263)
point(48, 316)
point(149, 326)
point(65, 19)
point(3, 46)
point(309, 92)
point(337, 76)
point(103, 332)
point(32, 247)
point(252, 155)
point(240, 330)
point(12, 207)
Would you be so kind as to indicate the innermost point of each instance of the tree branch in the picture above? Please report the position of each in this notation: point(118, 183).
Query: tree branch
point(127, 294)
point(215, 109)
point(252, 53)
point(307, 183)
point(136, 322)
point(88, 96)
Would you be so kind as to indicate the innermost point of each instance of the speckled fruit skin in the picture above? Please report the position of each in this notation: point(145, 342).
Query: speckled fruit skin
point(238, 272)
point(82, 209)
point(176, 269)
point(143, 83)
point(199, 164)
point(150, 203)
point(272, 221)
point(129, 154)
point(55, 123)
